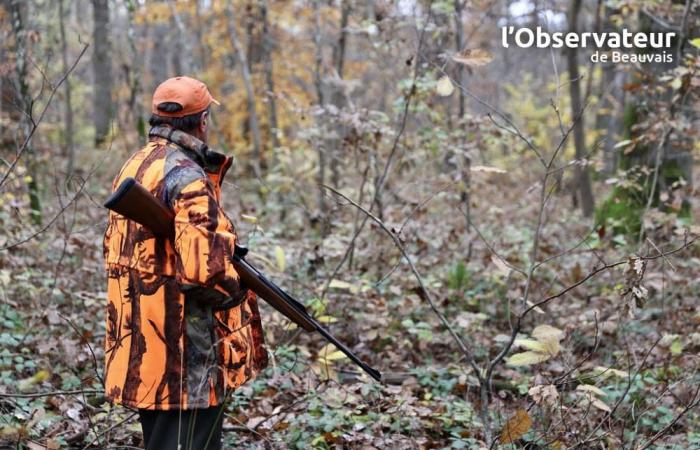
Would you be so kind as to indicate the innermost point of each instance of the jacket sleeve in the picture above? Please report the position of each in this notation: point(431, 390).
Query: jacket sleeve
point(205, 241)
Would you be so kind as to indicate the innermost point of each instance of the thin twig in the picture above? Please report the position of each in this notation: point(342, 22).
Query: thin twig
point(424, 291)
point(35, 124)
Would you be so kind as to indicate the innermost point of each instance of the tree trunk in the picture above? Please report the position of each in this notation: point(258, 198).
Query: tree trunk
point(459, 44)
point(245, 71)
point(134, 75)
point(269, 79)
point(68, 145)
point(19, 15)
point(102, 68)
point(583, 180)
point(339, 51)
point(338, 95)
point(158, 57)
point(465, 171)
point(182, 56)
point(318, 83)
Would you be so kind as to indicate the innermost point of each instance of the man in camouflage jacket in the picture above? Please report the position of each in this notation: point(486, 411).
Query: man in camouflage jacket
point(182, 332)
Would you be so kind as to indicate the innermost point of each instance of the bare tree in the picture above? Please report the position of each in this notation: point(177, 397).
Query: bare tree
point(24, 101)
point(583, 179)
point(269, 79)
point(68, 145)
point(248, 83)
point(318, 84)
point(459, 44)
point(102, 69)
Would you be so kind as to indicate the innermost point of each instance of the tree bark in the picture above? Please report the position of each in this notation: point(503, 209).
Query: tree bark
point(318, 82)
point(245, 71)
point(338, 94)
point(465, 171)
point(19, 16)
point(183, 55)
point(158, 57)
point(102, 69)
point(133, 75)
point(459, 44)
point(583, 180)
point(269, 79)
point(68, 145)
point(339, 51)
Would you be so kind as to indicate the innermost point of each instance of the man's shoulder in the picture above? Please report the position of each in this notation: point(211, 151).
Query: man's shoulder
point(180, 171)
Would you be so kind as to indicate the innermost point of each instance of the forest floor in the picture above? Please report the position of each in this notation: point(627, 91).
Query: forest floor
point(629, 369)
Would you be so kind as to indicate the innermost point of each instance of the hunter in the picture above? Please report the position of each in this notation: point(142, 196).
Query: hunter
point(182, 332)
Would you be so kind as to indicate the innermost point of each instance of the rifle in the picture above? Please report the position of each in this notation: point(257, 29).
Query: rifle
point(136, 203)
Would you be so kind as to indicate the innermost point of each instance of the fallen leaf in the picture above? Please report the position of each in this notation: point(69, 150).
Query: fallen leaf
point(609, 372)
point(502, 267)
point(527, 358)
point(531, 344)
point(248, 218)
point(336, 355)
point(598, 403)
point(473, 57)
point(516, 427)
point(546, 394)
point(281, 260)
point(343, 285)
point(543, 332)
point(487, 169)
point(590, 388)
point(551, 346)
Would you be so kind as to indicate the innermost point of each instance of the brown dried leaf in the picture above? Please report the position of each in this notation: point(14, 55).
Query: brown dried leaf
point(546, 394)
point(473, 57)
point(516, 427)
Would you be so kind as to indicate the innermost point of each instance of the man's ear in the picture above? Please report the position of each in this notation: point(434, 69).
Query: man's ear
point(203, 121)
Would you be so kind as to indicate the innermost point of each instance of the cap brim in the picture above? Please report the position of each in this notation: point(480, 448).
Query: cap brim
point(215, 101)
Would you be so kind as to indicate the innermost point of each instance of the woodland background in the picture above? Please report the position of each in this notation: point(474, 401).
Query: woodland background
point(509, 235)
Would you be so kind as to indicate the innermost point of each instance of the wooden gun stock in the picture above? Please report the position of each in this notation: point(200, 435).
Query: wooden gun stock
point(134, 202)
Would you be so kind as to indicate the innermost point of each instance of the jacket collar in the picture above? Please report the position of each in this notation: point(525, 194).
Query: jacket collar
point(211, 161)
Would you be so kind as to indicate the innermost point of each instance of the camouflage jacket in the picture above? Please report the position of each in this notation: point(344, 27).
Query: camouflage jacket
point(180, 330)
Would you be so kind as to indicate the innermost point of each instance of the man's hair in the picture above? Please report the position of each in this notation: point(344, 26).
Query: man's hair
point(184, 123)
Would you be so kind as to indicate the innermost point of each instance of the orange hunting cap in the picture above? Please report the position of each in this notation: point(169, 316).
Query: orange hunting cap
point(191, 94)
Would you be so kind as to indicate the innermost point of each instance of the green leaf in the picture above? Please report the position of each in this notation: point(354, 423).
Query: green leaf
point(606, 372)
point(676, 347)
point(551, 345)
point(336, 355)
point(279, 256)
point(531, 344)
point(344, 285)
point(624, 143)
point(445, 87)
point(326, 319)
point(695, 42)
point(527, 359)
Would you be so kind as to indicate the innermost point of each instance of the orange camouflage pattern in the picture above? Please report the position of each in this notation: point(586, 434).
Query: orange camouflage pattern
point(181, 332)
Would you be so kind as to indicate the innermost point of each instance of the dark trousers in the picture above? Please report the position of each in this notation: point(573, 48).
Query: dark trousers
point(193, 429)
